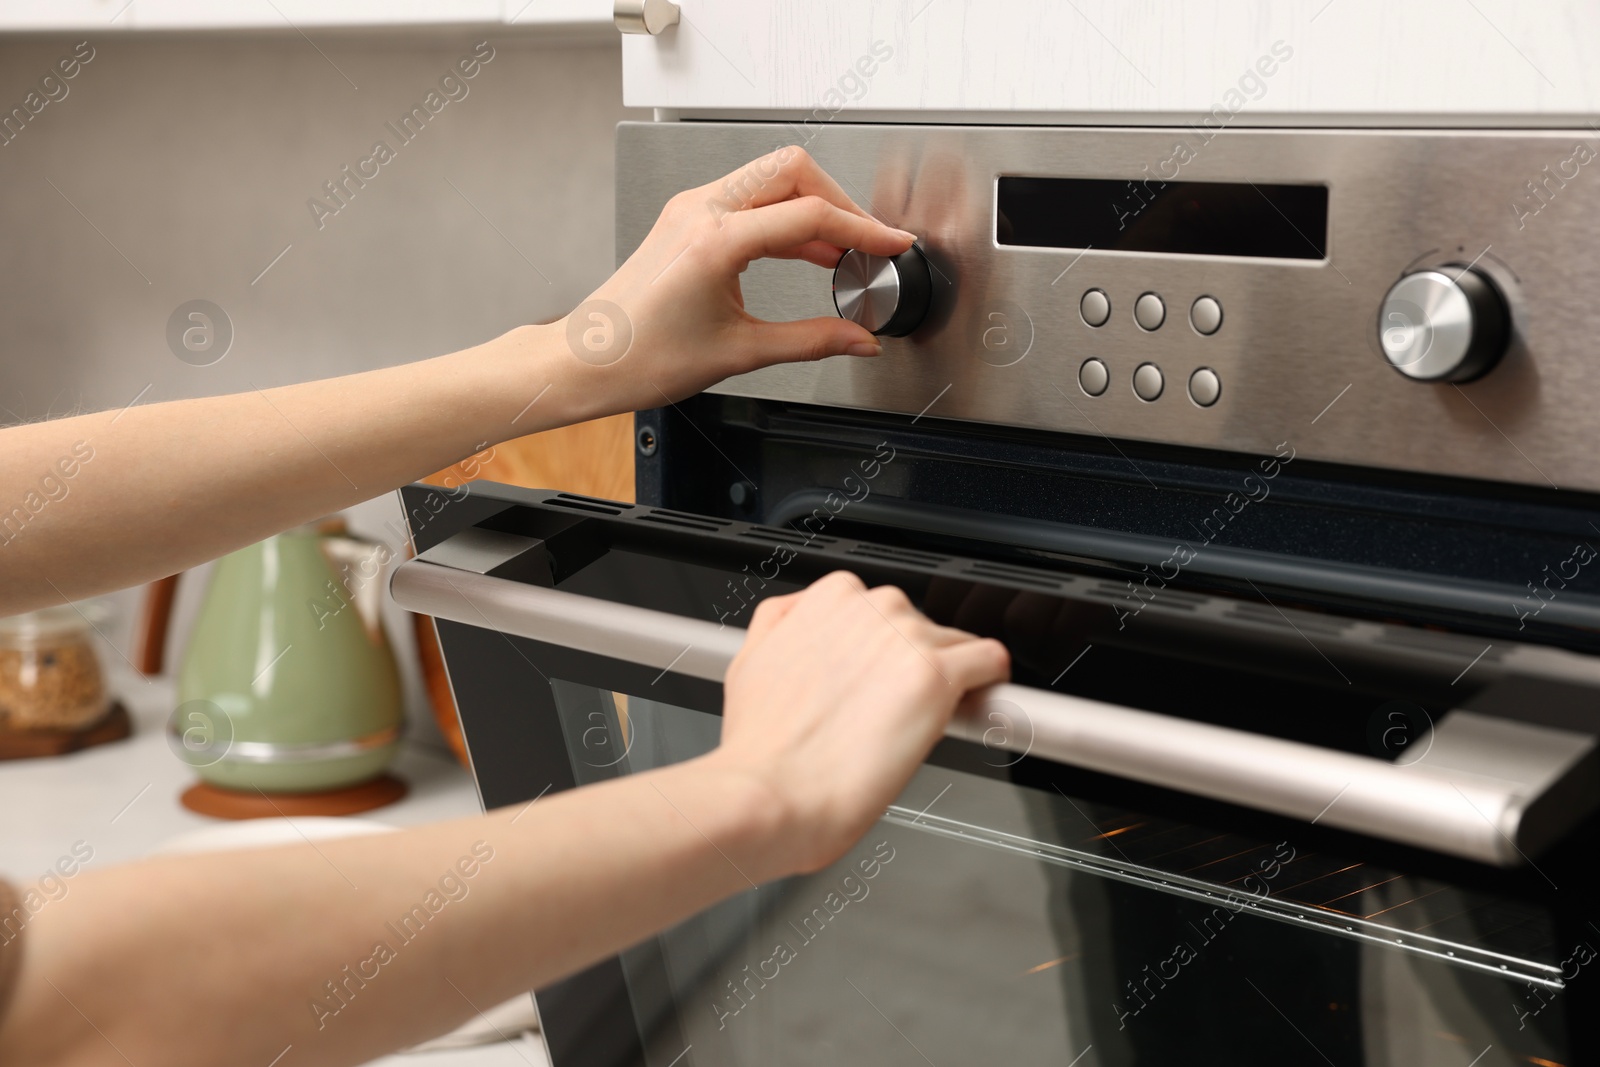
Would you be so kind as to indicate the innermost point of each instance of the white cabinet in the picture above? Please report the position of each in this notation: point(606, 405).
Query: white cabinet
point(279, 14)
point(594, 13)
point(194, 14)
point(1096, 61)
point(60, 14)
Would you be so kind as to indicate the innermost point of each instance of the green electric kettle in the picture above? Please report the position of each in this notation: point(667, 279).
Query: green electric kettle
point(288, 685)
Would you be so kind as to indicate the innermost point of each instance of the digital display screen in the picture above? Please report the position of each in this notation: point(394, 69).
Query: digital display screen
point(1172, 218)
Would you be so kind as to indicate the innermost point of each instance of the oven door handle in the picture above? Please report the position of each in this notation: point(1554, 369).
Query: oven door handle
point(1483, 788)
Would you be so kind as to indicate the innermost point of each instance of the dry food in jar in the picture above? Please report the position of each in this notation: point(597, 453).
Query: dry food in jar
point(49, 674)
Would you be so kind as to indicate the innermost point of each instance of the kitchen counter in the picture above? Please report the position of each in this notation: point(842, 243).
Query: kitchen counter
point(121, 799)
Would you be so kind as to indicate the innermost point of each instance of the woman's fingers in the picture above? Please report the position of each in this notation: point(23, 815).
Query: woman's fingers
point(768, 614)
point(781, 175)
point(811, 339)
point(821, 253)
point(965, 660)
point(829, 589)
point(777, 229)
point(974, 663)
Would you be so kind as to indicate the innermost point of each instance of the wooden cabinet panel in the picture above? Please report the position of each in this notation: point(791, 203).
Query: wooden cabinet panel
point(592, 458)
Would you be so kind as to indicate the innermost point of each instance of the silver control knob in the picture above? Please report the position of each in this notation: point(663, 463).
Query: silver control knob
point(889, 296)
point(1444, 324)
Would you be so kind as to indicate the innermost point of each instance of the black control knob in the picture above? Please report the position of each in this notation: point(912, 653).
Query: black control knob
point(889, 296)
point(1444, 324)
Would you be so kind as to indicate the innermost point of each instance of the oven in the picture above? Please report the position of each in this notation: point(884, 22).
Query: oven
point(1272, 467)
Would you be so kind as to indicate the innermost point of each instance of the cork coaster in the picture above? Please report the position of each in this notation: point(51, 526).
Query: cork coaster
point(219, 803)
point(30, 744)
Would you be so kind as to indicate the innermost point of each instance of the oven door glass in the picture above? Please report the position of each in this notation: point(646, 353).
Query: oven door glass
point(1008, 908)
point(982, 921)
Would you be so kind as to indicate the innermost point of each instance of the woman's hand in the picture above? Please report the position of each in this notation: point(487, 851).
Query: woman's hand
point(671, 321)
point(838, 695)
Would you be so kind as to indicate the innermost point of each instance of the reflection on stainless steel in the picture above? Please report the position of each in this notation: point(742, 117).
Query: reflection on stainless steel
point(1489, 934)
point(1297, 333)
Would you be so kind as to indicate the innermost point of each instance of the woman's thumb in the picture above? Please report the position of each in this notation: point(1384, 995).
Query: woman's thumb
point(812, 339)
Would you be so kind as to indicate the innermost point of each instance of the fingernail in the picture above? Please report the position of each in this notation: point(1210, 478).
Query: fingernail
point(863, 348)
point(907, 234)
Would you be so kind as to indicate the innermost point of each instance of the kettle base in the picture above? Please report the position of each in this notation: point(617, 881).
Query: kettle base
point(206, 799)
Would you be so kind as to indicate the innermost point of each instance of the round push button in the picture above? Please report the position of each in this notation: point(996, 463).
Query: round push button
point(1206, 315)
point(1095, 307)
point(1093, 377)
point(1149, 312)
point(1147, 381)
point(1204, 387)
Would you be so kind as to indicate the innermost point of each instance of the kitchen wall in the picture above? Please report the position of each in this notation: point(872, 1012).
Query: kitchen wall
point(180, 167)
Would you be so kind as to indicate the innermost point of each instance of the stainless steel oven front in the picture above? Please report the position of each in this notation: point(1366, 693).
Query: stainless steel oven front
point(1248, 445)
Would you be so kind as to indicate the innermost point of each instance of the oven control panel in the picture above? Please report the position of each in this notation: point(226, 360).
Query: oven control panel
point(1419, 300)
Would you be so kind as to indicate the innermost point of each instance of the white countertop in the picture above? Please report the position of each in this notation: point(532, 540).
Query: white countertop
point(122, 800)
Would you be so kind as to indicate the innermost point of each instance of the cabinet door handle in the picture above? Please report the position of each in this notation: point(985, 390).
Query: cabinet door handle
point(645, 16)
point(1487, 789)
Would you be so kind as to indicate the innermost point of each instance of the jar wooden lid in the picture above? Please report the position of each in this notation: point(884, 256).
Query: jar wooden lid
point(29, 744)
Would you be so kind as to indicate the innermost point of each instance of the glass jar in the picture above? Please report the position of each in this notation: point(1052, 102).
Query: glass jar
point(49, 674)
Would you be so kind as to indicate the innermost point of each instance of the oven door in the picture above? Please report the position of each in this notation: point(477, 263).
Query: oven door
point(1197, 836)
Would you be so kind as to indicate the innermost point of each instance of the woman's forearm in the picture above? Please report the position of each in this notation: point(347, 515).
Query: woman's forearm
point(345, 949)
point(358, 946)
point(103, 501)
